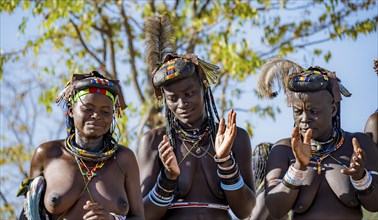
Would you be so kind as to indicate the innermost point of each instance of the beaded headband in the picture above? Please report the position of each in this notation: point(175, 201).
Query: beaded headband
point(92, 90)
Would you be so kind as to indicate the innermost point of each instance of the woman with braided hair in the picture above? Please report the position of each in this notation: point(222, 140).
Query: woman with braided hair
point(260, 155)
point(192, 168)
point(322, 171)
point(88, 175)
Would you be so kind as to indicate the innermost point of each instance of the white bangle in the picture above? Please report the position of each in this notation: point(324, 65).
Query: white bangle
point(363, 183)
point(118, 217)
point(221, 160)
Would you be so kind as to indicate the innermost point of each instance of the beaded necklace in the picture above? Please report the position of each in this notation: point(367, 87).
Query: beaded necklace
point(194, 137)
point(320, 155)
point(95, 156)
point(82, 155)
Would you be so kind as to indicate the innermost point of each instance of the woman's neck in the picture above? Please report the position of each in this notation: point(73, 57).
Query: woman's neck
point(91, 144)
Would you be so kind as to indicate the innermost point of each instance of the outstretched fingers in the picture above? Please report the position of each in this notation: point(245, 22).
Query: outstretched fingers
point(221, 127)
point(307, 137)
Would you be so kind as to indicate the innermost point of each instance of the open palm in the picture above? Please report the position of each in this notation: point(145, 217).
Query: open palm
point(226, 135)
point(301, 149)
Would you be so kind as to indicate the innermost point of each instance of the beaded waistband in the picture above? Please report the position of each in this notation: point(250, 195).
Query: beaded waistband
point(179, 205)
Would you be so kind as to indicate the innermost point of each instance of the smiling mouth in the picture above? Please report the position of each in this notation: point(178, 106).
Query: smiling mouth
point(187, 112)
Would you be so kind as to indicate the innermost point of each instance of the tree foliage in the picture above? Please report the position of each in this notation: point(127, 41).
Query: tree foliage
point(78, 36)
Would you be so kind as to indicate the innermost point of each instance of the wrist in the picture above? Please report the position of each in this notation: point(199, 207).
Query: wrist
point(297, 165)
point(360, 175)
point(170, 176)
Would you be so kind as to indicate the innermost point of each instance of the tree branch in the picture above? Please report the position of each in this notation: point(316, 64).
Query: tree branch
point(102, 64)
point(130, 37)
point(203, 8)
point(109, 33)
point(6, 204)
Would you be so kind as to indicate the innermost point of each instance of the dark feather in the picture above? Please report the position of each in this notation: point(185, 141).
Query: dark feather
point(158, 33)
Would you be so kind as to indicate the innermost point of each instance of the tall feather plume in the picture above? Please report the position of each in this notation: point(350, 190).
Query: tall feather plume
point(158, 32)
point(274, 72)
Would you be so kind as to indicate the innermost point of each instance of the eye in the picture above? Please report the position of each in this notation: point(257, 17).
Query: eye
point(171, 98)
point(314, 111)
point(190, 93)
point(106, 112)
point(84, 109)
point(297, 111)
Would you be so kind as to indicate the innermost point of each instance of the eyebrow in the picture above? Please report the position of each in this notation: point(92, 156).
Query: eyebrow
point(91, 105)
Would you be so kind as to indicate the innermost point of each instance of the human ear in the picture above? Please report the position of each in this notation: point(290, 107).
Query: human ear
point(70, 111)
point(334, 109)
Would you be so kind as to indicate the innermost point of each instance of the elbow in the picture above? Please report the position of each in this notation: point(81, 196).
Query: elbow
point(275, 210)
point(243, 214)
point(246, 211)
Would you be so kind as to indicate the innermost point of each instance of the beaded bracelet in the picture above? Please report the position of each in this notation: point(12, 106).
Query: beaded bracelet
point(221, 160)
point(118, 217)
point(234, 186)
point(229, 167)
point(228, 176)
point(294, 177)
point(289, 185)
point(366, 191)
point(364, 183)
point(158, 199)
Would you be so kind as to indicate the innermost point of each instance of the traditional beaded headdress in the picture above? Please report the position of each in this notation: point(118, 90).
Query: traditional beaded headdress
point(166, 67)
point(295, 79)
point(92, 82)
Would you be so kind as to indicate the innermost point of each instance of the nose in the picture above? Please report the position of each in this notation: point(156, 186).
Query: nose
point(305, 117)
point(183, 103)
point(95, 115)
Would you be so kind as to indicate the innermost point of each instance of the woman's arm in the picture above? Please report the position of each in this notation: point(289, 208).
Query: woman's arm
point(132, 186)
point(148, 158)
point(243, 200)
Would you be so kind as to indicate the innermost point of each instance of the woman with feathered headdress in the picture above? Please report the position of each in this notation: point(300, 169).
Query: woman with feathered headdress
point(322, 171)
point(88, 175)
point(192, 168)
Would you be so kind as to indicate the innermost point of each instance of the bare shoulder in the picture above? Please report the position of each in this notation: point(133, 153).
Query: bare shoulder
point(151, 137)
point(242, 142)
point(280, 149)
point(367, 145)
point(50, 149)
point(363, 139)
point(242, 134)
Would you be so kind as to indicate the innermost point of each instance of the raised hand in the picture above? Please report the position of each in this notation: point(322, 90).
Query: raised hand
point(357, 162)
point(225, 136)
point(301, 150)
point(168, 157)
point(96, 211)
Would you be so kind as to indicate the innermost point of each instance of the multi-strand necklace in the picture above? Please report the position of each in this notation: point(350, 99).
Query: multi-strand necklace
point(82, 155)
point(198, 138)
point(323, 151)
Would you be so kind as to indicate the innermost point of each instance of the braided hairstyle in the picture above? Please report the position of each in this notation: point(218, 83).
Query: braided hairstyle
point(259, 159)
